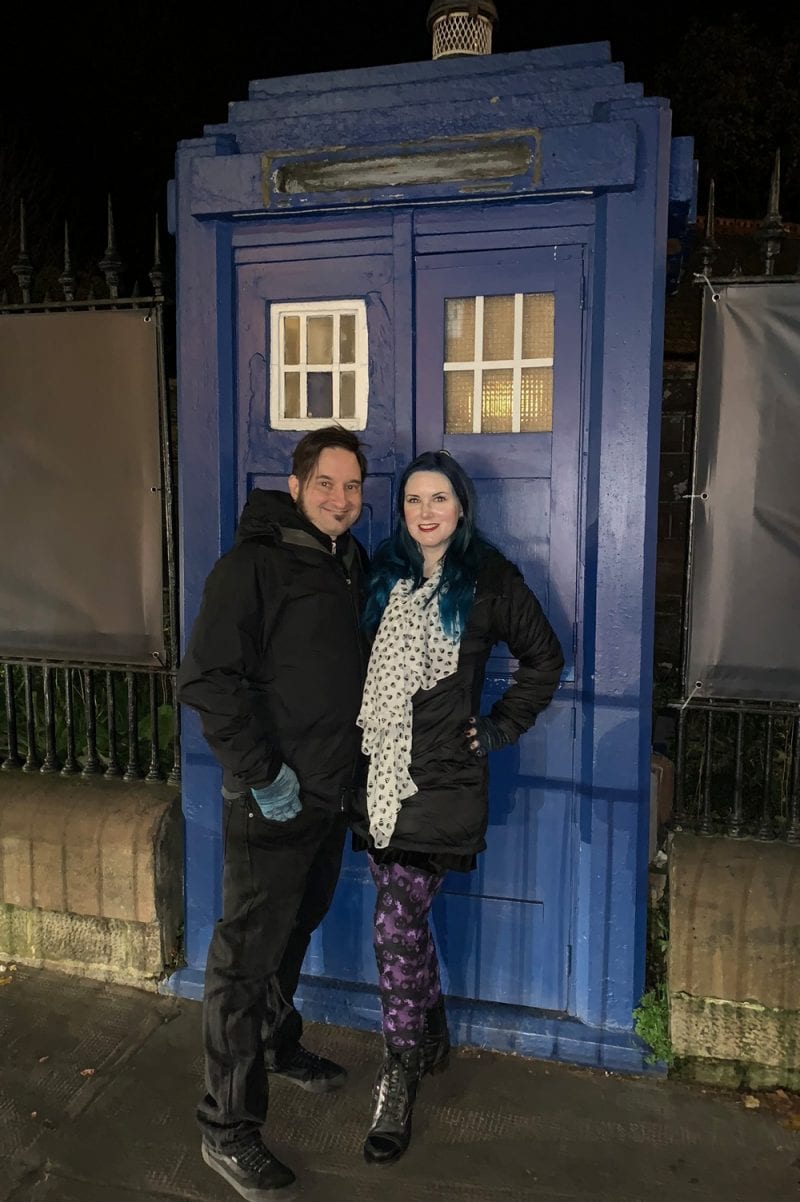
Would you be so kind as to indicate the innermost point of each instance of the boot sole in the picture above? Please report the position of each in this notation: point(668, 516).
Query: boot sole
point(392, 1158)
point(284, 1193)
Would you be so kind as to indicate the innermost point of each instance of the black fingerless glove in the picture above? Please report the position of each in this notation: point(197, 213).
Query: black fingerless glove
point(488, 735)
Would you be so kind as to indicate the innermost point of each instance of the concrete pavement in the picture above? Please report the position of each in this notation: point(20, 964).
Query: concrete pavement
point(98, 1085)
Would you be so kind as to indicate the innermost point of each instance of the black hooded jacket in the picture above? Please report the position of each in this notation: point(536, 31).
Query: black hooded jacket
point(276, 660)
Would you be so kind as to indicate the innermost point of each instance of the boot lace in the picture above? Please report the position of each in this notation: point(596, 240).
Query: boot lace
point(392, 1097)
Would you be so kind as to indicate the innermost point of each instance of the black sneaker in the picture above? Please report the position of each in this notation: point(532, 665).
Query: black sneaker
point(252, 1170)
point(311, 1072)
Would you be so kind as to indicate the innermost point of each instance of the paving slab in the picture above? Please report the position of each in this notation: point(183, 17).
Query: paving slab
point(98, 1085)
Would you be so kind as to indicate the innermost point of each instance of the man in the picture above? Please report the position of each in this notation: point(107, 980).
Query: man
point(275, 667)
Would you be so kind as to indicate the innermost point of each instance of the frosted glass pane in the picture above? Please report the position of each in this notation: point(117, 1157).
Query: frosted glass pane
point(458, 389)
point(347, 338)
point(498, 327)
point(347, 394)
point(291, 394)
point(320, 340)
point(291, 339)
point(538, 325)
point(536, 406)
point(320, 394)
point(459, 325)
point(497, 388)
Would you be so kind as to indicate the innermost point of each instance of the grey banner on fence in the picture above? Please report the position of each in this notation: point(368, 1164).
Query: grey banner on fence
point(80, 479)
point(744, 576)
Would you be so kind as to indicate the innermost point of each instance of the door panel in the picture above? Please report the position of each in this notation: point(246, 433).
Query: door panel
point(517, 902)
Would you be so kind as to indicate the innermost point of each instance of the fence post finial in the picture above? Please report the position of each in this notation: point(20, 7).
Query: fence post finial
point(156, 274)
point(111, 263)
point(67, 277)
point(771, 232)
point(23, 268)
point(710, 246)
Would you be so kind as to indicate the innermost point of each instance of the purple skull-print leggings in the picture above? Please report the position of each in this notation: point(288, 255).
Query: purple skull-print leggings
point(407, 965)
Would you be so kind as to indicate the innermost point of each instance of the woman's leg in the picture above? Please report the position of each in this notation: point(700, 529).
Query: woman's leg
point(409, 977)
point(404, 949)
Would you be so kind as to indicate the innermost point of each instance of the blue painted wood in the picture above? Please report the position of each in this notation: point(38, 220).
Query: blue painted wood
point(625, 382)
point(530, 839)
point(444, 72)
point(560, 159)
point(567, 862)
point(206, 506)
point(521, 81)
point(428, 121)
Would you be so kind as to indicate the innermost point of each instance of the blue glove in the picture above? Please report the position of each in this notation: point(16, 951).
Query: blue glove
point(280, 801)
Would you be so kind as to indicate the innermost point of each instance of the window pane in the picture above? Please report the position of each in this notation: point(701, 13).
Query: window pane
point(496, 401)
point(536, 408)
point(498, 327)
point(347, 338)
point(320, 340)
point(291, 394)
point(320, 394)
point(538, 325)
point(347, 394)
point(459, 325)
point(458, 389)
point(291, 339)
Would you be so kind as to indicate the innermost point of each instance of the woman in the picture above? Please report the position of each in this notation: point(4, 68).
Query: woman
point(440, 597)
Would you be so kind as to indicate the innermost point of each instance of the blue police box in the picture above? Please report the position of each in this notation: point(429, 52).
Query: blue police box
point(471, 254)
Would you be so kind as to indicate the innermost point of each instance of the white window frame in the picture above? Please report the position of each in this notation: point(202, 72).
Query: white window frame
point(477, 365)
point(304, 310)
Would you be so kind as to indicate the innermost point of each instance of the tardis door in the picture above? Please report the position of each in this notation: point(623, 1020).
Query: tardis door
point(498, 384)
point(503, 931)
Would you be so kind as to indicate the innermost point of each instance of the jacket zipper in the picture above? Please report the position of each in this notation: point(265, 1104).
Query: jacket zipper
point(349, 582)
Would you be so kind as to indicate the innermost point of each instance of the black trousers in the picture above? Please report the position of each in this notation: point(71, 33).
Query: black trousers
point(278, 882)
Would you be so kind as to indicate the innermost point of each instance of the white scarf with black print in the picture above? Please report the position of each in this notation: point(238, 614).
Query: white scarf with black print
point(411, 651)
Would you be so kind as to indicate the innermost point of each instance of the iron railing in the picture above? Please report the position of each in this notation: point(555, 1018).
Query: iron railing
point(93, 718)
point(737, 761)
point(738, 769)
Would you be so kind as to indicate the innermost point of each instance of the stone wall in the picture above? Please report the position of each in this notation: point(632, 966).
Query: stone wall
point(91, 876)
point(734, 960)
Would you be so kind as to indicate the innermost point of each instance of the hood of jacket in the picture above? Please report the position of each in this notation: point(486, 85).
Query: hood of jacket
point(270, 512)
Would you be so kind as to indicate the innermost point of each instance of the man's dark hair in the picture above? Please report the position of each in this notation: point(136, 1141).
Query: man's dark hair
point(308, 450)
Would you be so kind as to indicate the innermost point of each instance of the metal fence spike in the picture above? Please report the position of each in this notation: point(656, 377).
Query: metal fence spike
point(771, 232)
point(710, 245)
point(111, 263)
point(23, 268)
point(67, 277)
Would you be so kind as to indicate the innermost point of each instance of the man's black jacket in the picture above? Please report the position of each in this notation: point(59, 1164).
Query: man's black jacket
point(276, 660)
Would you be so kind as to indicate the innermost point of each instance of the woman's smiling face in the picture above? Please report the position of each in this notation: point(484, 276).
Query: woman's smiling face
point(431, 510)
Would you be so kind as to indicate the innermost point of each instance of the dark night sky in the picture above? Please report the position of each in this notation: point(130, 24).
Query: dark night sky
point(98, 94)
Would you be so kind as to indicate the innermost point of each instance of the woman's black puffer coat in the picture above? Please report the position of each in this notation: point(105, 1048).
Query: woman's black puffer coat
point(449, 813)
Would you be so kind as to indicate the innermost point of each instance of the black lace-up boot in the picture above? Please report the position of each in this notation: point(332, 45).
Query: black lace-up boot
point(435, 1051)
point(394, 1095)
point(252, 1170)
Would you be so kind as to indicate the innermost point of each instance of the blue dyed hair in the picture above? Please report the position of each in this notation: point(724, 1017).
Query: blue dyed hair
point(399, 557)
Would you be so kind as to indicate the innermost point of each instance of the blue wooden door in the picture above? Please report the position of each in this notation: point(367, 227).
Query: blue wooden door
point(498, 384)
point(503, 931)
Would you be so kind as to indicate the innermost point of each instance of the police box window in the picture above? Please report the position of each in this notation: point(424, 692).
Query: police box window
point(318, 356)
point(498, 364)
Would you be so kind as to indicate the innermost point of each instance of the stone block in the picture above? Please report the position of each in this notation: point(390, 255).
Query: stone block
point(740, 1031)
point(735, 921)
point(90, 874)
